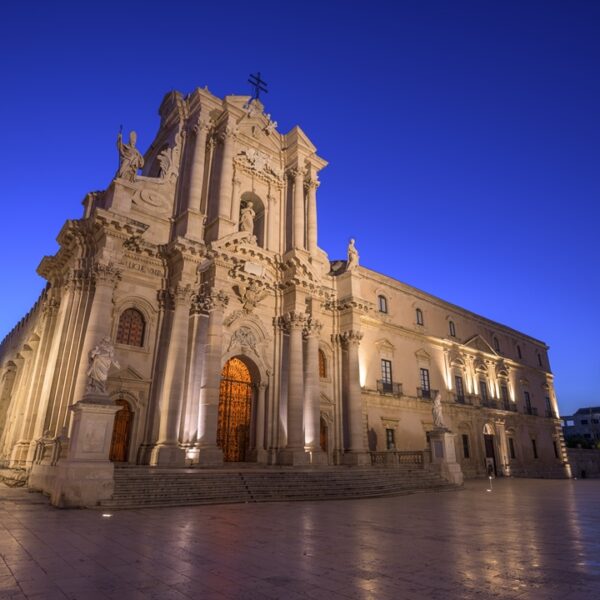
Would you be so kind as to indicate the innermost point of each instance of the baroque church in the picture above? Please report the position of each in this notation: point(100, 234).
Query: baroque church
point(236, 339)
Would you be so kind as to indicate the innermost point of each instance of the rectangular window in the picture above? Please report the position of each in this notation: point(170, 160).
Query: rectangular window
point(504, 395)
point(595, 421)
point(511, 447)
point(382, 304)
point(555, 449)
point(386, 370)
point(549, 412)
point(460, 389)
point(534, 448)
point(483, 391)
point(390, 442)
point(425, 386)
point(465, 442)
point(527, 401)
point(452, 329)
point(584, 421)
point(539, 359)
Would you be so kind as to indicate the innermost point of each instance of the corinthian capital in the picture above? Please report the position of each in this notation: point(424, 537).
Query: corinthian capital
point(313, 327)
point(311, 184)
point(293, 320)
point(203, 124)
point(229, 132)
point(351, 337)
point(106, 274)
point(212, 300)
point(181, 294)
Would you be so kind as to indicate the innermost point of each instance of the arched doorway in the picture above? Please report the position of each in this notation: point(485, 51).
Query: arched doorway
point(235, 402)
point(121, 432)
point(490, 451)
point(324, 435)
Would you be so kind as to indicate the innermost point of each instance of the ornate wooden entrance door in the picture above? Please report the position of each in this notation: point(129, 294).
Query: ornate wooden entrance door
point(121, 431)
point(235, 400)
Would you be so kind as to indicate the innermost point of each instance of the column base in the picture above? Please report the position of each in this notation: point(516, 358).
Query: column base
point(167, 455)
point(356, 459)
point(317, 457)
point(292, 457)
point(260, 456)
point(19, 454)
point(209, 456)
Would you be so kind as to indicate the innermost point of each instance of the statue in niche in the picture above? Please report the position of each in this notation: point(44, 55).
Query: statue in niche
point(352, 262)
point(101, 358)
point(247, 218)
point(130, 159)
point(436, 410)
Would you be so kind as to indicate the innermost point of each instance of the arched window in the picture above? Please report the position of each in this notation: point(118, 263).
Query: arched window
point(322, 365)
point(131, 328)
point(496, 344)
point(519, 353)
point(419, 316)
point(452, 328)
point(382, 304)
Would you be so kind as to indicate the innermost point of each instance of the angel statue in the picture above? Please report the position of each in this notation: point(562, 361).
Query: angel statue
point(101, 358)
point(438, 419)
point(130, 159)
point(352, 262)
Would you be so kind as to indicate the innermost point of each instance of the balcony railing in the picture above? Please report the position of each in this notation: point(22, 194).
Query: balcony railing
point(463, 399)
point(389, 387)
point(426, 393)
point(530, 410)
point(398, 457)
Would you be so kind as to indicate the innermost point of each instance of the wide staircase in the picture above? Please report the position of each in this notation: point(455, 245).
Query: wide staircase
point(138, 487)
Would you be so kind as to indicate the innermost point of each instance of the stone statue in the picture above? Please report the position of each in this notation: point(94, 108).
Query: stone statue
point(247, 218)
point(101, 358)
point(352, 262)
point(130, 159)
point(438, 419)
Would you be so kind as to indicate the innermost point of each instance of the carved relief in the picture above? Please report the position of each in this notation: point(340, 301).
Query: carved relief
point(250, 295)
point(245, 339)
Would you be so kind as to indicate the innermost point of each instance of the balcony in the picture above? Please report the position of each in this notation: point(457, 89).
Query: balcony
point(530, 410)
point(426, 393)
point(389, 387)
point(463, 399)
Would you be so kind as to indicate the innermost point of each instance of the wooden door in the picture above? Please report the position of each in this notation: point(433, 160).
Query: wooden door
point(121, 432)
point(324, 435)
point(235, 400)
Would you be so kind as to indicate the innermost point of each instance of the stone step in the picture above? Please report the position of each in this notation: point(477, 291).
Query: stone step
point(147, 487)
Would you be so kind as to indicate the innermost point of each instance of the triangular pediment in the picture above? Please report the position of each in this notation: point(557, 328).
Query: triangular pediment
point(384, 344)
point(478, 343)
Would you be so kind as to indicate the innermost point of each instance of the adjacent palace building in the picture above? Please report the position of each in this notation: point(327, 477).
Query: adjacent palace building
point(237, 340)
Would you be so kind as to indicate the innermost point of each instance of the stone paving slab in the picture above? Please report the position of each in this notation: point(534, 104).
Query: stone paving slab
point(527, 539)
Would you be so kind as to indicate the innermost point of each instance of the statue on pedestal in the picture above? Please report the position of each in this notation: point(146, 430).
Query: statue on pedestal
point(101, 358)
point(247, 218)
point(438, 419)
point(130, 159)
point(352, 262)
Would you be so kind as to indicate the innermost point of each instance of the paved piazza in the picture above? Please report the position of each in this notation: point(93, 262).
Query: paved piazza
point(525, 539)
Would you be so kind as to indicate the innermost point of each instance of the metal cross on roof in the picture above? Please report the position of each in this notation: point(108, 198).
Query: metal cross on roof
point(258, 84)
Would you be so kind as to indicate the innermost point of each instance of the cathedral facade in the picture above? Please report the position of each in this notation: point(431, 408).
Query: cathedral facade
point(237, 340)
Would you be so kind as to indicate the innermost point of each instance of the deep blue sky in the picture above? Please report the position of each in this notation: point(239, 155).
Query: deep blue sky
point(463, 138)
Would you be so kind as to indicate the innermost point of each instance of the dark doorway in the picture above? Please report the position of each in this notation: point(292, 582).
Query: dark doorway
point(490, 454)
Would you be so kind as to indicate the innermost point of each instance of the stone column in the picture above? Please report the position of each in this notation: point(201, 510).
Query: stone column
point(226, 174)
point(294, 453)
point(198, 163)
point(235, 201)
point(167, 450)
point(261, 453)
point(356, 453)
point(504, 466)
point(208, 451)
point(312, 394)
point(311, 187)
point(298, 175)
point(99, 321)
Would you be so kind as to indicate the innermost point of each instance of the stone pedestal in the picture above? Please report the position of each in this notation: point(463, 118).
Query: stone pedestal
point(87, 476)
point(292, 457)
point(443, 456)
point(209, 456)
point(357, 459)
point(317, 457)
point(167, 455)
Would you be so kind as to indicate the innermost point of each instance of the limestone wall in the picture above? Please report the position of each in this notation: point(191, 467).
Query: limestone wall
point(584, 463)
